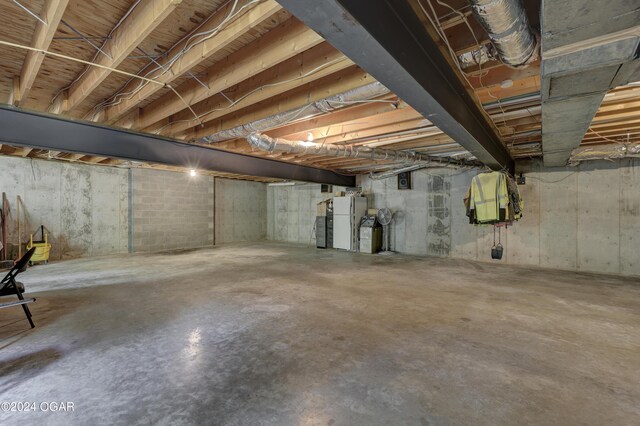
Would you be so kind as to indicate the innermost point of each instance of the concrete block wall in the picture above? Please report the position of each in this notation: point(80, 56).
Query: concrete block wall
point(171, 210)
point(85, 208)
point(240, 211)
point(174, 211)
point(96, 210)
point(292, 212)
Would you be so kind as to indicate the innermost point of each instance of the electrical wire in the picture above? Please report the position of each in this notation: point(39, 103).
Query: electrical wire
point(464, 19)
point(462, 170)
point(435, 23)
point(297, 113)
point(122, 96)
point(246, 95)
point(185, 102)
point(115, 27)
point(482, 73)
point(30, 12)
point(603, 137)
point(455, 59)
point(367, 101)
point(82, 36)
point(70, 58)
point(93, 64)
point(165, 53)
point(440, 32)
point(550, 181)
point(167, 65)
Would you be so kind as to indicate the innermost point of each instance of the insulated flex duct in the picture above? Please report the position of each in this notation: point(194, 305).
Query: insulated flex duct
point(269, 144)
point(508, 27)
point(322, 106)
point(604, 152)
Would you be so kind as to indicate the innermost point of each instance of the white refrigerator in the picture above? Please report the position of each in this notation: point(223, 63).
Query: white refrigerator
point(347, 212)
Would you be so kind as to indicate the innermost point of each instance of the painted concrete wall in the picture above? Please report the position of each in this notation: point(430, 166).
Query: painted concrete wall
point(292, 212)
point(85, 208)
point(584, 218)
point(95, 210)
point(240, 211)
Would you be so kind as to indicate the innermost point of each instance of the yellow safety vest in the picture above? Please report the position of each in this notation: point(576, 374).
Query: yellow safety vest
point(489, 197)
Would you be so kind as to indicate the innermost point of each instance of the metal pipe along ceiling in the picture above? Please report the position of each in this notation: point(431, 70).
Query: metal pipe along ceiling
point(508, 27)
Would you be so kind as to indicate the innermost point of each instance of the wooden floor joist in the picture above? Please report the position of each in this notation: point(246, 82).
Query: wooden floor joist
point(133, 30)
point(191, 56)
point(347, 130)
point(24, 152)
point(311, 65)
point(318, 125)
point(278, 45)
point(233, 63)
point(343, 81)
point(52, 14)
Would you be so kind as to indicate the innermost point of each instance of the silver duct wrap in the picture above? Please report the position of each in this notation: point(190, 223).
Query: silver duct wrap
point(269, 144)
point(475, 57)
point(397, 171)
point(370, 91)
point(604, 152)
point(508, 27)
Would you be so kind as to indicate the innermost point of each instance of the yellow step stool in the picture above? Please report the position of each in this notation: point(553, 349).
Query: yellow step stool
point(42, 248)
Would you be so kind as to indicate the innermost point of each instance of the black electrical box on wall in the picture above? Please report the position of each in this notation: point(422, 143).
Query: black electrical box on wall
point(404, 180)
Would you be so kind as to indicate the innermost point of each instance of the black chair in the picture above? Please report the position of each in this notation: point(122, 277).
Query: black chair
point(10, 286)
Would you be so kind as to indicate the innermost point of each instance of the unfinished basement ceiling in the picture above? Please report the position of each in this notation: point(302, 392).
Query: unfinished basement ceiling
point(218, 66)
point(584, 56)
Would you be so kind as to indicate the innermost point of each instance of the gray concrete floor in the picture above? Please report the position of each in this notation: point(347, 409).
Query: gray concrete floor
point(281, 334)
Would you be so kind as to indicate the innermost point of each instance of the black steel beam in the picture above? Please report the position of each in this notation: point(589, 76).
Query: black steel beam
point(387, 39)
point(37, 130)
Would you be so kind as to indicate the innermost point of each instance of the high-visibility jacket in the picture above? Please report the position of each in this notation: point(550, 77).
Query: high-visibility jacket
point(488, 198)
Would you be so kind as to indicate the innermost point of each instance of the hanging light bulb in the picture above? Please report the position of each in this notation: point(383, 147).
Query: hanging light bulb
point(192, 173)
